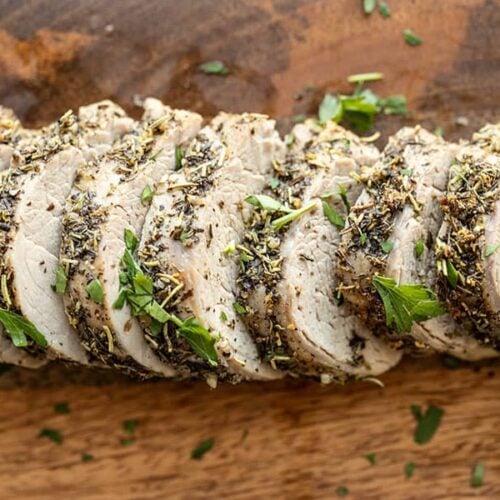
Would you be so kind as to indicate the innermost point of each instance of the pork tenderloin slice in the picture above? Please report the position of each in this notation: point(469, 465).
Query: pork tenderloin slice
point(288, 286)
point(402, 207)
point(195, 218)
point(467, 247)
point(113, 336)
point(32, 197)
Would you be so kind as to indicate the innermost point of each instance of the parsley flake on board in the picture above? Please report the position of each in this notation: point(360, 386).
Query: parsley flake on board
point(202, 448)
point(409, 469)
point(179, 155)
point(477, 475)
point(19, 329)
point(371, 458)
point(54, 435)
point(405, 304)
point(214, 68)
point(410, 38)
point(62, 408)
point(95, 291)
point(427, 423)
point(127, 441)
point(87, 457)
point(333, 216)
point(130, 425)
point(61, 280)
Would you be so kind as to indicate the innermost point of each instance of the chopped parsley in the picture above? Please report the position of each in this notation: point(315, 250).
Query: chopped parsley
point(127, 441)
point(179, 155)
point(214, 68)
point(333, 216)
point(62, 408)
point(52, 434)
point(266, 203)
point(223, 316)
point(87, 457)
point(387, 246)
point(369, 6)
point(491, 249)
point(147, 195)
point(409, 469)
point(405, 304)
point(130, 239)
point(419, 248)
point(61, 280)
point(451, 274)
point(365, 77)
point(342, 491)
point(202, 448)
point(239, 309)
point(384, 9)
point(410, 38)
point(279, 223)
point(427, 423)
point(477, 475)
point(394, 105)
point(371, 458)
point(130, 425)
point(19, 329)
point(95, 291)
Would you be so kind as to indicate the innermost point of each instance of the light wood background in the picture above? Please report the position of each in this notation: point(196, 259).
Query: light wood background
point(302, 440)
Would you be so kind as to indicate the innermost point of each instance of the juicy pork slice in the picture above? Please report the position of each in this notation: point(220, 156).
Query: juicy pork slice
point(111, 197)
point(32, 194)
point(190, 234)
point(391, 233)
point(468, 248)
point(287, 280)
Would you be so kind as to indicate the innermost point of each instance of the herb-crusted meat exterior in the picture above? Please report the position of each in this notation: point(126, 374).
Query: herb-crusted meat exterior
point(110, 197)
point(468, 247)
point(391, 233)
point(287, 279)
point(188, 240)
point(32, 195)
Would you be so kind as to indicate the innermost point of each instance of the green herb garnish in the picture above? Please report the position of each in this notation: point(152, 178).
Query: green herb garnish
point(369, 6)
point(387, 246)
point(273, 182)
point(214, 68)
point(130, 425)
point(62, 408)
point(419, 248)
point(365, 77)
point(330, 109)
point(451, 274)
point(266, 203)
point(427, 423)
point(127, 441)
point(239, 309)
point(202, 448)
point(410, 38)
point(61, 280)
point(179, 155)
point(343, 197)
point(19, 328)
point(230, 248)
point(333, 216)
point(405, 304)
point(299, 118)
point(371, 458)
point(130, 239)
point(95, 291)
point(289, 139)
point(87, 457)
point(394, 105)
point(384, 9)
point(52, 434)
point(223, 316)
point(147, 195)
point(477, 475)
point(491, 249)
point(342, 491)
point(277, 224)
point(409, 469)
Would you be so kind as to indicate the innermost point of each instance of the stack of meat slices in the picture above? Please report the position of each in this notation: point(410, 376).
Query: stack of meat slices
point(168, 248)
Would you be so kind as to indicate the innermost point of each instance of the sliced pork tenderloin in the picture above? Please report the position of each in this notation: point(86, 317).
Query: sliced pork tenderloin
point(467, 250)
point(391, 233)
point(117, 192)
point(32, 194)
point(187, 246)
point(287, 279)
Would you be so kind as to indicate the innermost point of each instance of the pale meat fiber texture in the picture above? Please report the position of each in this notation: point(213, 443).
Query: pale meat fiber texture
point(32, 253)
point(125, 210)
point(242, 149)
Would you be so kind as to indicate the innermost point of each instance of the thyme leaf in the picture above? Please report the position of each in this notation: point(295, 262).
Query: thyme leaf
point(405, 304)
point(61, 280)
point(214, 68)
point(130, 239)
point(427, 423)
point(369, 6)
point(333, 216)
point(95, 291)
point(409, 469)
point(387, 246)
point(54, 435)
point(130, 425)
point(19, 328)
point(384, 9)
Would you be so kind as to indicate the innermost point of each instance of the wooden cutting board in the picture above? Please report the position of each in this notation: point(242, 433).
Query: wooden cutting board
point(284, 440)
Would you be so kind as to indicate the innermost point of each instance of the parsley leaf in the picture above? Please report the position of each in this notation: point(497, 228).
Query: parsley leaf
point(410, 38)
point(394, 105)
point(365, 77)
point(333, 216)
point(130, 425)
point(202, 448)
point(266, 203)
point(147, 195)
point(342, 491)
point(427, 423)
point(343, 197)
point(127, 441)
point(179, 155)
point(277, 224)
point(491, 249)
point(62, 408)
point(477, 475)
point(239, 309)
point(61, 280)
point(369, 6)
point(330, 109)
point(405, 304)
point(87, 457)
point(95, 291)
point(199, 338)
point(409, 469)
point(384, 9)
point(451, 274)
point(18, 328)
point(52, 434)
point(130, 239)
point(214, 68)
point(419, 248)
point(387, 246)
point(371, 457)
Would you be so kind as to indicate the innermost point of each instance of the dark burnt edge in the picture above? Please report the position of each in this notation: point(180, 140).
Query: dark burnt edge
point(81, 236)
point(28, 161)
point(465, 213)
point(169, 347)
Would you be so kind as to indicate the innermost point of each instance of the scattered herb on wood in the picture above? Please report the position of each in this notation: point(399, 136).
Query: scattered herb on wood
point(342, 491)
point(214, 68)
point(62, 408)
point(411, 38)
point(87, 457)
point(95, 291)
point(384, 9)
point(427, 423)
point(409, 469)
point(202, 448)
point(477, 475)
point(54, 435)
point(369, 6)
point(130, 425)
point(127, 441)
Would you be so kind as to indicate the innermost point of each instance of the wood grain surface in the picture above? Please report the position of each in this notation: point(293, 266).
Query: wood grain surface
point(291, 439)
